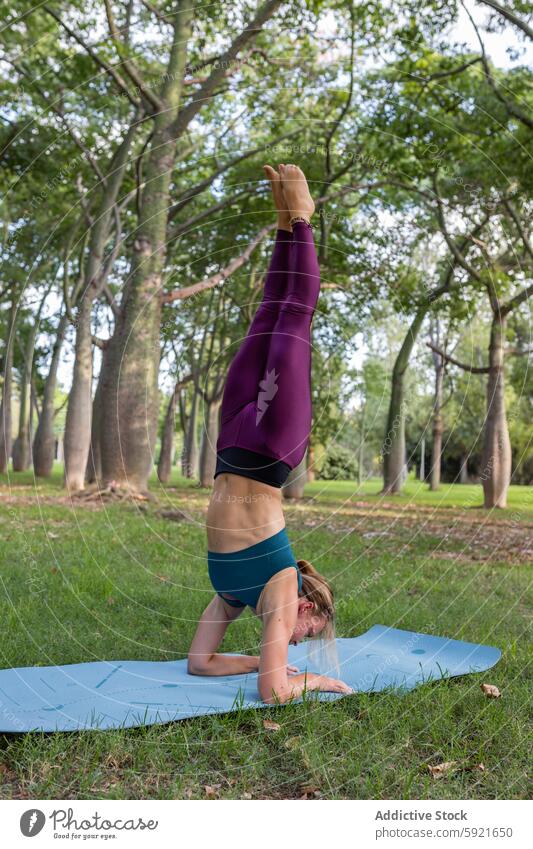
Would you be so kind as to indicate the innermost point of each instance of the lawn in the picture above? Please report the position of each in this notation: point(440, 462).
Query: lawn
point(87, 581)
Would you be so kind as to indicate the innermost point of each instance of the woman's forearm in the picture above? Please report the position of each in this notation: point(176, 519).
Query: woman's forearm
point(225, 664)
point(295, 687)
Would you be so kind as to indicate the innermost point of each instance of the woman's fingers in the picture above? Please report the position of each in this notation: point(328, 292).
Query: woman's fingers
point(336, 686)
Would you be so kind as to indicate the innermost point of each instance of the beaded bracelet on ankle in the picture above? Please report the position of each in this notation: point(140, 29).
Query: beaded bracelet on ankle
point(298, 218)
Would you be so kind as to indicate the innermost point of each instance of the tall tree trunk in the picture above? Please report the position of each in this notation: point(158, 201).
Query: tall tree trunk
point(79, 411)
point(208, 456)
point(393, 449)
point(436, 451)
point(311, 470)
point(361, 452)
point(131, 396)
point(22, 454)
point(93, 473)
point(190, 444)
point(164, 466)
point(44, 442)
point(463, 471)
point(77, 437)
point(7, 386)
point(296, 481)
point(496, 462)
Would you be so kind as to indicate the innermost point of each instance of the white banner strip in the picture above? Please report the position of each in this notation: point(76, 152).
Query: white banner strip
point(43, 823)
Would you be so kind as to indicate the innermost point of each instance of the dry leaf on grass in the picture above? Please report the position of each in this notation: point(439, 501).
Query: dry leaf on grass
point(491, 691)
point(246, 796)
point(439, 770)
point(292, 743)
point(309, 791)
point(269, 725)
point(211, 790)
point(480, 767)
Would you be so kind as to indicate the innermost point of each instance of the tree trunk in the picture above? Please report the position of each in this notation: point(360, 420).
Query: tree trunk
point(79, 410)
point(496, 462)
point(77, 438)
point(436, 452)
point(463, 472)
point(164, 466)
point(93, 472)
point(208, 456)
point(131, 396)
point(361, 451)
point(294, 486)
point(393, 450)
point(7, 386)
point(189, 460)
point(311, 471)
point(44, 442)
point(22, 454)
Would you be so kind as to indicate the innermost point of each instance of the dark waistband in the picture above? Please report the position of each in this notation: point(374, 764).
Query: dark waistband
point(250, 464)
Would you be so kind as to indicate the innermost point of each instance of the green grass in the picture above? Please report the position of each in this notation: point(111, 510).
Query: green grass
point(81, 583)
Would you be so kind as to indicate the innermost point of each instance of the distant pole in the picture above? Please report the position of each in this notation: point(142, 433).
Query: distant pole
point(423, 458)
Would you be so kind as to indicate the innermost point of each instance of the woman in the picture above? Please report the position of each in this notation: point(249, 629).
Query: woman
point(265, 423)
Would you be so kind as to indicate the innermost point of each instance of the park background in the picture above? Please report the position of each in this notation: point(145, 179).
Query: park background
point(136, 231)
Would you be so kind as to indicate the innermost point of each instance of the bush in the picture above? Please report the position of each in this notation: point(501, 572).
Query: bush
point(339, 464)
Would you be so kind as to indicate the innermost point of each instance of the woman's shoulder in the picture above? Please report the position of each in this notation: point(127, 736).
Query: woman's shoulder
point(279, 592)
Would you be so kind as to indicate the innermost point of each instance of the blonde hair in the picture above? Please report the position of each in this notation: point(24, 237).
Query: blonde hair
point(319, 591)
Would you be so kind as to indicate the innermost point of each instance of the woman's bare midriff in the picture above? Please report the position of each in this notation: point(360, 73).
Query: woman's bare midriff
point(242, 512)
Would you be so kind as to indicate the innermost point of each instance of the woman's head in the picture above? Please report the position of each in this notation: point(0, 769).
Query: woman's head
point(315, 606)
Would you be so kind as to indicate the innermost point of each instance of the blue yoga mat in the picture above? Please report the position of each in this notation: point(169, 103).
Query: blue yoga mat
point(128, 693)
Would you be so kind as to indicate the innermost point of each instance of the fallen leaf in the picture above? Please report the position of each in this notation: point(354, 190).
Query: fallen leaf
point(292, 743)
point(53, 536)
point(309, 791)
point(490, 691)
point(188, 792)
point(163, 578)
point(211, 790)
point(480, 767)
point(268, 725)
point(246, 796)
point(439, 770)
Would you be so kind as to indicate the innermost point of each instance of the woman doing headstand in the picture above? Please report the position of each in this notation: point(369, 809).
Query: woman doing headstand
point(265, 424)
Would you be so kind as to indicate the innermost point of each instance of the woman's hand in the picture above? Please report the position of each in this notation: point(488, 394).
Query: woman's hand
point(331, 685)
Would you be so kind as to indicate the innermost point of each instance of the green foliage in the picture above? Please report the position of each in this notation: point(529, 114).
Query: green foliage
point(338, 464)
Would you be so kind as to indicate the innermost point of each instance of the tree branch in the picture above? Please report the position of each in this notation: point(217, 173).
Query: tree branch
point(120, 81)
point(188, 112)
point(128, 65)
point(219, 277)
point(464, 366)
point(509, 15)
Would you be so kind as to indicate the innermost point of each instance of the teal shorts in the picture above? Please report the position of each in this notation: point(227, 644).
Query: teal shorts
point(243, 574)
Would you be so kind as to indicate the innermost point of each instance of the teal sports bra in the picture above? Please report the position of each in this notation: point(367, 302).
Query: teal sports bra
point(243, 574)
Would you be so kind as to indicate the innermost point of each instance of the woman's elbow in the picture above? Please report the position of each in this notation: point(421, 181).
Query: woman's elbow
point(273, 695)
point(198, 666)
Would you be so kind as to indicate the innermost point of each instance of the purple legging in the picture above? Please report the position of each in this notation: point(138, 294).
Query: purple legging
point(267, 397)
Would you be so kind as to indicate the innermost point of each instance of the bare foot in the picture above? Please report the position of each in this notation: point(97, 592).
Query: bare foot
point(298, 199)
point(279, 199)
